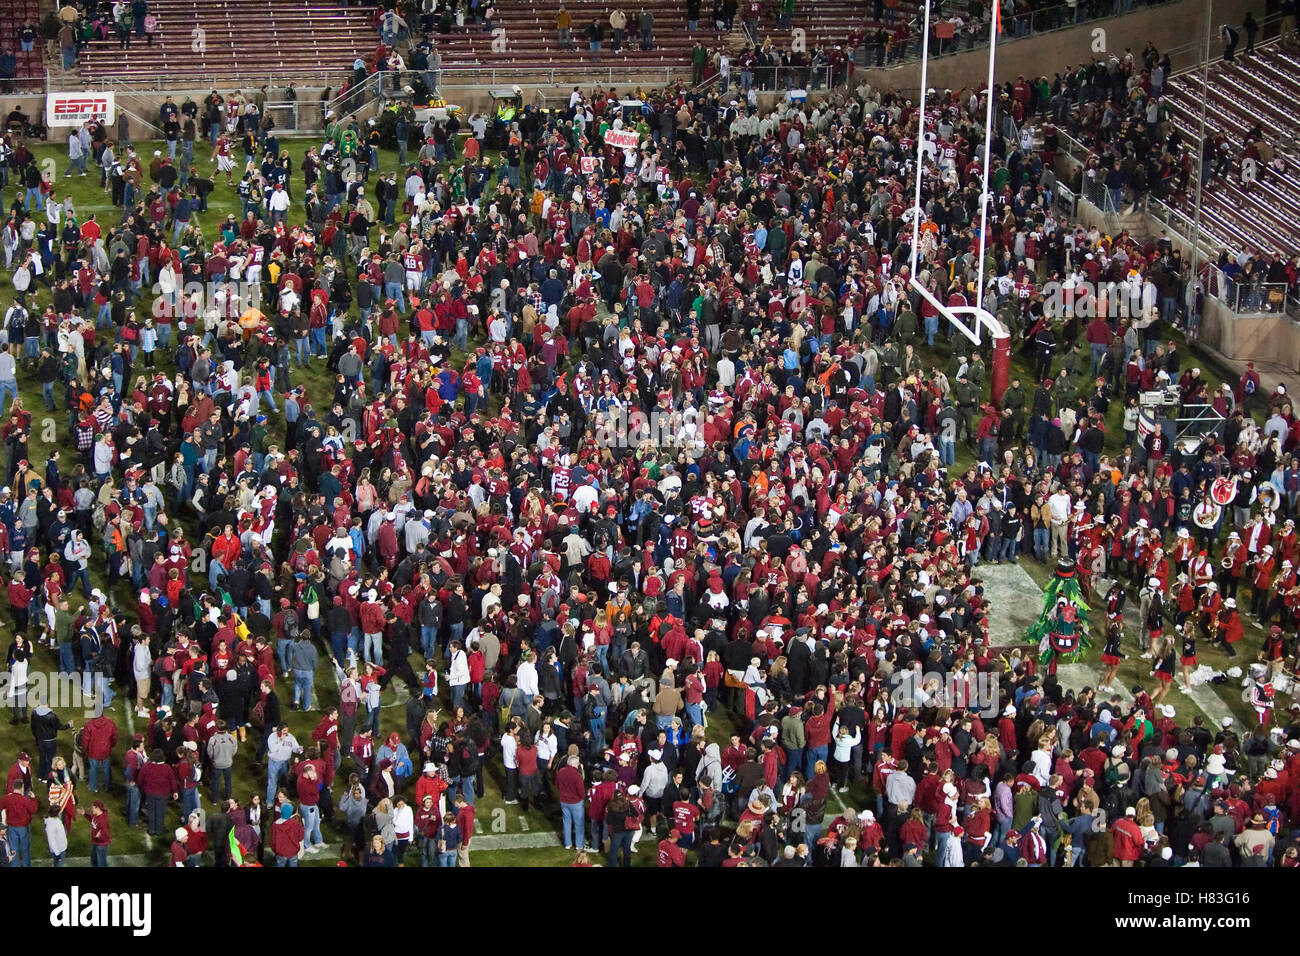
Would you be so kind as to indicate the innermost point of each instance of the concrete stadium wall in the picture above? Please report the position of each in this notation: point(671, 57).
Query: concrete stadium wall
point(1273, 339)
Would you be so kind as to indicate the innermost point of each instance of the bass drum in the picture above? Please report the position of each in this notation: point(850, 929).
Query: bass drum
point(1223, 490)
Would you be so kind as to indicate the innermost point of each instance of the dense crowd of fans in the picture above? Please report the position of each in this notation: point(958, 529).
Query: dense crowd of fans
point(620, 444)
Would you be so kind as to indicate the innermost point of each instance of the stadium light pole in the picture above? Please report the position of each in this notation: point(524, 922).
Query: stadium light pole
point(1001, 369)
point(1200, 142)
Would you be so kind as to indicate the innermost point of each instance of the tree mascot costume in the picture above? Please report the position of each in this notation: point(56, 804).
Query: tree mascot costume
point(1061, 631)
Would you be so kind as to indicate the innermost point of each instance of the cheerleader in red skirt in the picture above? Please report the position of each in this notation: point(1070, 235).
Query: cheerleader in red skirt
point(1164, 672)
point(1155, 621)
point(1111, 654)
point(1187, 657)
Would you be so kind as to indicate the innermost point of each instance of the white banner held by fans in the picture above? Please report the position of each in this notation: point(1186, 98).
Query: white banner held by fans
point(73, 109)
point(623, 138)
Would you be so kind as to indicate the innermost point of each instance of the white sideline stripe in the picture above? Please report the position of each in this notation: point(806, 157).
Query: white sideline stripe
point(537, 840)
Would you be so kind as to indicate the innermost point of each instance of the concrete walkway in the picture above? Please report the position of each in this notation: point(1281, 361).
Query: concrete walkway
point(1016, 600)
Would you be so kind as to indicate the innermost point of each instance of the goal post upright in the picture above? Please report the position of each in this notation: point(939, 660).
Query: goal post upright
point(981, 317)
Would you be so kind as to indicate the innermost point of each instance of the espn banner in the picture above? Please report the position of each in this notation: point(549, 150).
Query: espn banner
point(73, 109)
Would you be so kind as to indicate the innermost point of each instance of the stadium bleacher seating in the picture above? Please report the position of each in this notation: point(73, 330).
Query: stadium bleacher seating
point(530, 39)
point(1261, 88)
point(251, 37)
point(281, 36)
point(31, 66)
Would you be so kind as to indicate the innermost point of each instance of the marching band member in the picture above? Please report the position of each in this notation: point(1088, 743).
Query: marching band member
point(1230, 629)
point(1285, 541)
point(1135, 548)
point(1256, 534)
point(1186, 599)
point(1259, 693)
point(1273, 653)
point(1157, 566)
point(1210, 606)
point(1260, 581)
point(1201, 572)
point(1283, 583)
point(1182, 550)
point(1233, 565)
point(1206, 517)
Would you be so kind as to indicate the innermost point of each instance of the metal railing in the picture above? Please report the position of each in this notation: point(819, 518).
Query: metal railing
point(621, 75)
point(202, 81)
point(286, 115)
point(1183, 226)
point(356, 98)
point(1248, 296)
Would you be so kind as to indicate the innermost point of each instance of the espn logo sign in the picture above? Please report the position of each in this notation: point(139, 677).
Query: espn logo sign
point(73, 109)
point(80, 107)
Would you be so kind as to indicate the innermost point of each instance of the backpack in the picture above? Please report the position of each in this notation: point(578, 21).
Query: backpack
point(503, 708)
point(312, 598)
point(1110, 775)
point(289, 623)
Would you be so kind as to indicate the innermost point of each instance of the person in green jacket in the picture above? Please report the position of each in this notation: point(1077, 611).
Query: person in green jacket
point(907, 327)
point(699, 59)
point(1013, 400)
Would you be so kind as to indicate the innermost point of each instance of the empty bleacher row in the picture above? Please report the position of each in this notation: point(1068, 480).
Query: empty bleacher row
point(30, 67)
point(221, 38)
point(525, 33)
point(282, 36)
point(1262, 88)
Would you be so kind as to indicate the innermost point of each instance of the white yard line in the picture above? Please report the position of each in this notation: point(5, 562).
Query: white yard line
point(1210, 703)
point(537, 840)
